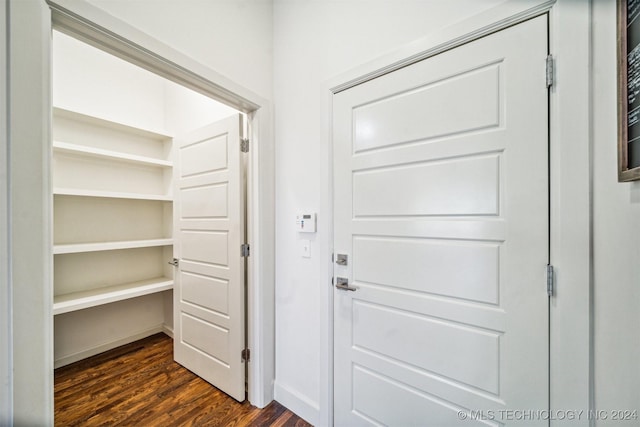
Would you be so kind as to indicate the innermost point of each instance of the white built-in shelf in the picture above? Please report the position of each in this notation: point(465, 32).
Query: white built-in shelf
point(133, 164)
point(75, 248)
point(65, 147)
point(92, 298)
point(110, 194)
point(105, 122)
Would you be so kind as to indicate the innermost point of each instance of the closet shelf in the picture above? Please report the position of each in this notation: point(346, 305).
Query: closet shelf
point(92, 298)
point(109, 246)
point(65, 147)
point(92, 120)
point(110, 194)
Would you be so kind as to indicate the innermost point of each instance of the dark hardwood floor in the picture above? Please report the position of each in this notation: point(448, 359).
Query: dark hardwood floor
point(139, 384)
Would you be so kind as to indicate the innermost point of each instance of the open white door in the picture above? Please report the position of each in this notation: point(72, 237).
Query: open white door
point(441, 208)
point(208, 302)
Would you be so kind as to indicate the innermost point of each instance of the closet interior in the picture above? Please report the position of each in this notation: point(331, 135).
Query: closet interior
point(113, 154)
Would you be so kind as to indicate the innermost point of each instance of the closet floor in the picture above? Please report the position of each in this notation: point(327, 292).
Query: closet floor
point(139, 384)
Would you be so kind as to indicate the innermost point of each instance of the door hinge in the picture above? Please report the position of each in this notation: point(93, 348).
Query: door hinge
point(244, 145)
point(244, 250)
point(550, 280)
point(245, 355)
point(549, 72)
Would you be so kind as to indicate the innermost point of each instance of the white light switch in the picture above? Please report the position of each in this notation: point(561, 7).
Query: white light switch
point(305, 248)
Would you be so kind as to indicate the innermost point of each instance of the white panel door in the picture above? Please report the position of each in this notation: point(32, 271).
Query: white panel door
point(208, 300)
point(441, 204)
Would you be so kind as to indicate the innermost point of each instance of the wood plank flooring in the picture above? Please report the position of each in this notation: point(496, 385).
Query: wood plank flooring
point(139, 384)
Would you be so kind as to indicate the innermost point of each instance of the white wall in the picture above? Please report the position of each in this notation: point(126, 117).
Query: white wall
point(186, 110)
point(616, 234)
point(233, 37)
point(90, 81)
point(95, 83)
point(314, 41)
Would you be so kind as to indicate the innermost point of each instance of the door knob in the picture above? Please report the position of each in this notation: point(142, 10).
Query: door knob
point(343, 283)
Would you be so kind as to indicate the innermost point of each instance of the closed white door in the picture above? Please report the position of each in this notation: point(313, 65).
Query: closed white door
point(208, 300)
point(441, 206)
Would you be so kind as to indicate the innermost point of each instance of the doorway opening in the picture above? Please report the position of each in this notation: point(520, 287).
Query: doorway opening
point(122, 177)
point(111, 36)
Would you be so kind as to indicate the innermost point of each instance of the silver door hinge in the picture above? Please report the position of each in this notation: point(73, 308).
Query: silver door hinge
point(244, 250)
point(245, 355)
point(549, 72)
point(550, 280)
point(244, 145)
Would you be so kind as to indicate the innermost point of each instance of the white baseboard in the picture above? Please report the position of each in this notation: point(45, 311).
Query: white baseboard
point(109, 346)
point(300, 405)
point(167, 330)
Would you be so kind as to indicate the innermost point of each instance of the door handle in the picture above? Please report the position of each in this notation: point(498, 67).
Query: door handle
point(174, 262)
point(343, 283)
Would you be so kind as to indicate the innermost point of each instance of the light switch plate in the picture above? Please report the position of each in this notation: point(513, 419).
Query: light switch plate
point(305, 248)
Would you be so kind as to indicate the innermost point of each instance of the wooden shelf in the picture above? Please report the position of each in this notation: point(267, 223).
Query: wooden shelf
point(65, 147)
point(92, 298)
point(109, 246)
point(109, 194)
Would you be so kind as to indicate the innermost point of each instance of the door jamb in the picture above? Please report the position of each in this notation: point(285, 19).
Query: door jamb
point(6, 374)
point(570, 171)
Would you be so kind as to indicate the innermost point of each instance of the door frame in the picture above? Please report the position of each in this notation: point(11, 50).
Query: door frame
point(6, 377)
point(31, 385)
point(570, 339)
